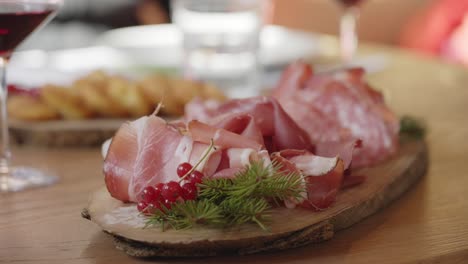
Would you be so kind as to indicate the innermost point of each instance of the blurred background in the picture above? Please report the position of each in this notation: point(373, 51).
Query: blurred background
point(225, 45)
point(437, 27)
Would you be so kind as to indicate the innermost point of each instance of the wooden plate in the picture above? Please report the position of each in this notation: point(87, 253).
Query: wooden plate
point(64, 133)
point(289, 227)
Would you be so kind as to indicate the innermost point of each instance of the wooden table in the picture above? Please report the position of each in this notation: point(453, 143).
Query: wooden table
point(428, 224)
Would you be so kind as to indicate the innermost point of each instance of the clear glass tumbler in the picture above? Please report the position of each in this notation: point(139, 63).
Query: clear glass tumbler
point(221, 42)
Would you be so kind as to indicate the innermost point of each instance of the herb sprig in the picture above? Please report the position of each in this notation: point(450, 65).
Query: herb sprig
point(246, 198)
point(412, 128)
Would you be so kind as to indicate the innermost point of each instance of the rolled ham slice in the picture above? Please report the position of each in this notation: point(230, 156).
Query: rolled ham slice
point(143, 152)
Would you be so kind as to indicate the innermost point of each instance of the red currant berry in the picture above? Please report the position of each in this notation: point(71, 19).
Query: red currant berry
point(195, 177)
point(150, 194)
point(166, 203)
point(142, 207)
point(189, 191)
point(154, 206)
point(171, 191)
point(183, 169)
point(158, 187)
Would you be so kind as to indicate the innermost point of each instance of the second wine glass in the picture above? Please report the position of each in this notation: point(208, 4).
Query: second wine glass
point(348, 29)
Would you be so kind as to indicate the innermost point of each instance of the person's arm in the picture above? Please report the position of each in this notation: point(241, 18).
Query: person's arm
point(153, 11)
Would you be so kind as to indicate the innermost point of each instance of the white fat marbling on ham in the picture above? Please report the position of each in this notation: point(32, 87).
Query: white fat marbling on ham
point(184, 149)
point(344, 149)
point(238, 159)
point(105, 147)
point(312, 165)
point(241, 157)
point(322, 177)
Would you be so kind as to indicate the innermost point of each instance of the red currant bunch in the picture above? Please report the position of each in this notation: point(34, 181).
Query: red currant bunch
point(163, 195)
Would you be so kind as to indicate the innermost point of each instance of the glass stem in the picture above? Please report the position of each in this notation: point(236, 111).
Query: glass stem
point(5, 153)
point(348, 33)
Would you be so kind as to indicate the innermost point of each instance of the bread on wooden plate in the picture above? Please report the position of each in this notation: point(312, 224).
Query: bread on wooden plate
point(97, 96)
point(36, 109)
point(100, 95)
point(66, 102)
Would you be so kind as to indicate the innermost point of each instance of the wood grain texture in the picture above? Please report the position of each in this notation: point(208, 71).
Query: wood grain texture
point(429, 224)
point(289, 228)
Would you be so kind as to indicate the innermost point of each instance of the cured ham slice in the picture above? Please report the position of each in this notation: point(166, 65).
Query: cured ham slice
point(277, 128)
point(322, 176)
point(205, 133)
point(147, 151)
point(143, 152)
point(235, 160)
point(242, 124)
point(343, 149)
point(210, 163)
point(337, 106)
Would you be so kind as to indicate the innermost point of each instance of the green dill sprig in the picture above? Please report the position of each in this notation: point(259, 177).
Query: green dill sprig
point(230, 202)
point(256, 180)
point(241, 211)
point(412, 128)
point(188, 214)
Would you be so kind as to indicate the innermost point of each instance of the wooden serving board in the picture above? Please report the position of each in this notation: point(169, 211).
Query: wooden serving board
point(64, 133)
point(289, 227)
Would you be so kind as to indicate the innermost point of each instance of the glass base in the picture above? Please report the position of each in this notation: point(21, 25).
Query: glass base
point(21, 178)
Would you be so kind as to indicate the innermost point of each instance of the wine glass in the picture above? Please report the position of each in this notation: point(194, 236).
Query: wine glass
point(348, 30)
point(18, 19)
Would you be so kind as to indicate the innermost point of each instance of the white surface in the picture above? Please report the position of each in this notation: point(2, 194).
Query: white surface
point(37, 67)
point(160, 45)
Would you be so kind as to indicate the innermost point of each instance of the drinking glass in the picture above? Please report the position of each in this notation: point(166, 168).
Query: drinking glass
point(221, 41)
point(18, 19)
point(348, 29)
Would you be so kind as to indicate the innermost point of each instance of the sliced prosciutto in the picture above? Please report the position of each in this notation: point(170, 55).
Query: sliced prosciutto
point(221, 137)
point(142, 153)
point(147, 151)
point(317, 125)
point(338, 107)
point(323, 176)
point(253, 117)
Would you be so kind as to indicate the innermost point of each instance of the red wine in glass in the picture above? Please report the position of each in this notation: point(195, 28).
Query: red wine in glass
point(18, 19)
point(16, 26)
